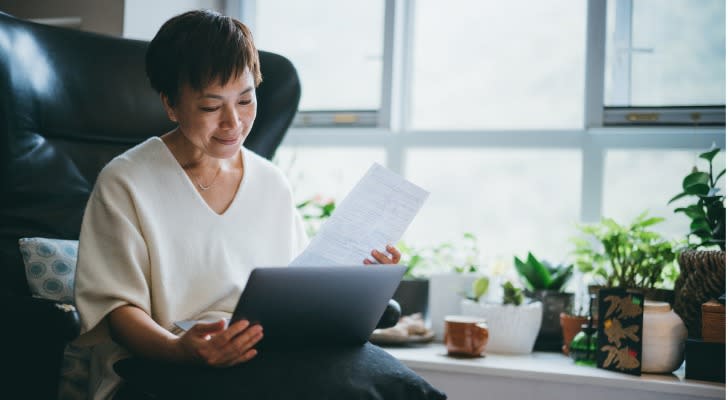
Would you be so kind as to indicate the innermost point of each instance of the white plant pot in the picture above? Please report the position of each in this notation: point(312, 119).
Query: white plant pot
point(446, 291)
point(663, 338)
point(512, 329)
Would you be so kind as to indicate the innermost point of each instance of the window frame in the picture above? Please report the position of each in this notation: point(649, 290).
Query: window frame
point(697, 115)
point(245, 10)
point(598, 135)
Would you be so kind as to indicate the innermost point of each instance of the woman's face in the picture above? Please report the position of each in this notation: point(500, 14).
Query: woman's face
point(217, 119)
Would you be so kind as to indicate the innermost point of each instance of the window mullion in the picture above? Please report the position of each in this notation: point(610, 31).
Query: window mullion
point(407, 11)
point(387, 110)
point(396, 78)
point(595, 61)
point(592, 155)
point(622, 53)
point(592, 180)
point(244, 10)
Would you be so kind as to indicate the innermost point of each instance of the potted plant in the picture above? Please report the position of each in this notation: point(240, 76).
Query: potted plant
point(702, 258)
point(707, 211)
point(638, 259)
point(412, 294)
point(513, 323)
point(571, 320)
point(315, 211)
point(545, 282)
point(630, 256)
point(449, 268)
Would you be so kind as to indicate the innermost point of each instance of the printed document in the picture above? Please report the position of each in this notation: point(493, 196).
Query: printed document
point(374, 214)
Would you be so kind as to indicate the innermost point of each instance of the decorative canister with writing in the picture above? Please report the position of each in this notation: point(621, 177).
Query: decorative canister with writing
point(663, 338)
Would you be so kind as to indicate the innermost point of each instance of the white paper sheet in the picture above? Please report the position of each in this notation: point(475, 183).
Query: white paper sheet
point(375, 213)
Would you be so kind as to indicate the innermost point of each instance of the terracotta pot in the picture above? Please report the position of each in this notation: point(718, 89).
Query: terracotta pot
point(570, 326)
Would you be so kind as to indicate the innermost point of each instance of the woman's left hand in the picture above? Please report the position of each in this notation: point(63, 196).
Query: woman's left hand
point(381, 258)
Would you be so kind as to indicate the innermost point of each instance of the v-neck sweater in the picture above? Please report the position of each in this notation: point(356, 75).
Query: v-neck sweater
point(149, 239)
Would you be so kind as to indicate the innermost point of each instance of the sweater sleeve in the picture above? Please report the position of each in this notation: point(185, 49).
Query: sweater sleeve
point(113, 260)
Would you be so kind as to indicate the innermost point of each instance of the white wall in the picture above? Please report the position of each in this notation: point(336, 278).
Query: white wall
point(143, 18)
point(99, 16)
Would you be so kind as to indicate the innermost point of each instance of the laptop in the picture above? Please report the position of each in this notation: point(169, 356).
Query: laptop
point(316, 305)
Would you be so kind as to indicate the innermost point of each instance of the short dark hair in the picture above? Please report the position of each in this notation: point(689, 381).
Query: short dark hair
point(198, 47)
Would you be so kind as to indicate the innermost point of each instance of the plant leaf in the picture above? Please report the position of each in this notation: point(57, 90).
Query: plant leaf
point(709, 155)
point(679, 196)
point(719, 175)
point(692, 211)
point(700, 227)
point(562, 275)
point(696, 183)
point(611, 224)
point(527, 272)
point(543, 277)
point(480, 287)
point(650, 222)
point(698, 189)
point(328, 209)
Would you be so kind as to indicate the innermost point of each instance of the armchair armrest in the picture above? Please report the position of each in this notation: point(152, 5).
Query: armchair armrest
point(391, 315)
point(35, 333)
point(58, 321)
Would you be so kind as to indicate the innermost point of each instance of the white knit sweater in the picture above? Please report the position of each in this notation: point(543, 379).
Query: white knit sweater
point(149, 239)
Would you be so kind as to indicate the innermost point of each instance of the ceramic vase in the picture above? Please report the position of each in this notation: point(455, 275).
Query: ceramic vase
point(663, 338)
point(512, 329)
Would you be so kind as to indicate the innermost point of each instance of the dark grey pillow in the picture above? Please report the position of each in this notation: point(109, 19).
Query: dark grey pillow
point(359, 372)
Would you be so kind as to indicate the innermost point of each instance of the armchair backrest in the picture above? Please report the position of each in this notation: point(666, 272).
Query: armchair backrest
point(70, 101)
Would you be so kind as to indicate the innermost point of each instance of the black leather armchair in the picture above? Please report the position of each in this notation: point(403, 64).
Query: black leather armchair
point(69, 102)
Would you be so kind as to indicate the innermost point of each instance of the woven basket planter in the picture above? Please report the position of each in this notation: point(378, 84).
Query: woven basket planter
point(702, 277)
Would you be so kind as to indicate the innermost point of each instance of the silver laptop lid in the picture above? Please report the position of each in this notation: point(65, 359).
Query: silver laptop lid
point(318, 304)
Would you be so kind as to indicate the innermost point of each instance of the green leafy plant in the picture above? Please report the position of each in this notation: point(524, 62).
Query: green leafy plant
point(315, 211)
point(541, 275)
point(627, 256)
point(411, 257)
point(461, 256)
point(478, 289)
point(512, 294)
point(707, 213)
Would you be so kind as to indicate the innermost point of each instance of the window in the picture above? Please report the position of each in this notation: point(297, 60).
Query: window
point(337, 49)
point(662, 54)
point(512, 200)
point(467, 75)
point(638, 180)
point(329, 174)
point(503, 110)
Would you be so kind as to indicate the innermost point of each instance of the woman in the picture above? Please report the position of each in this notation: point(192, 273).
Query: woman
point(175, 225)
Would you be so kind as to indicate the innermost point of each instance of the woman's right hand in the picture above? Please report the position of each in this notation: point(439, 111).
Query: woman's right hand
point(214, 345)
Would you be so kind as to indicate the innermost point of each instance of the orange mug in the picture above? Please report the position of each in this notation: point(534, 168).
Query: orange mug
point(465, 336)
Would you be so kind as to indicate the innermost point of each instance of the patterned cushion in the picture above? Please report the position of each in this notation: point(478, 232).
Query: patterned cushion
point(50, 268)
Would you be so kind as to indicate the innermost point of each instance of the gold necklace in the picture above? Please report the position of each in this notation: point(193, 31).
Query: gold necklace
point(205, 187)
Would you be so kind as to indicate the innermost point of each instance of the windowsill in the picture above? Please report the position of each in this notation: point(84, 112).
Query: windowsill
point(551, 368)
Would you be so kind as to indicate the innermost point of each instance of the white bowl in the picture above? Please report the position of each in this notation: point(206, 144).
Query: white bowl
point(512, 329)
